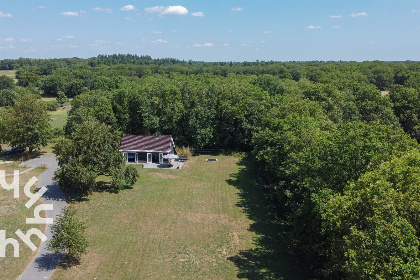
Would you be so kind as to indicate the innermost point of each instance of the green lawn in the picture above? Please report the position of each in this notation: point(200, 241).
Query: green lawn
point(59, 117)
point(13, 214)
point(174, 224)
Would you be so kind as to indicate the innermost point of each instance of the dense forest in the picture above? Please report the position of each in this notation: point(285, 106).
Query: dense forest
point(335, 143)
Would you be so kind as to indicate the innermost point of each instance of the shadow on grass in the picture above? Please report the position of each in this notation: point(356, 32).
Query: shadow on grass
point(101, 186)
point(269, 259)
point(19, 157)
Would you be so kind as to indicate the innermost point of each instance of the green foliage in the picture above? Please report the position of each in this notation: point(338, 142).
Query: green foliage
point(68, 236)
point(407, 108)
point(130, 175)
point(91, 150)
point(6, 82)
point(76, 179)
point(375, 222)
point(61, 98)
point(316, 130)
point(90, 106)
point(27, 78)
point(26, 124)
point(52, 105)
point(372, 106)
point(8, 97)
point(323, 170)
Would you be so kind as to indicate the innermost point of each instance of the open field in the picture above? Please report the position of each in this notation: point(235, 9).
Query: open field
point(59, 117)
point(13, 214)
point(9, 73)
point(192, 223)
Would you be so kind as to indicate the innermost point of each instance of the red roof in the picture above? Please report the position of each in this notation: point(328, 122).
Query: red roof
point(148, 143)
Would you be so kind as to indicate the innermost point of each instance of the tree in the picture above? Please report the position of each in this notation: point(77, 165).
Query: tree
point(407, 108)
point(323, 170)
point(8, 97)
point(6, 82)
point(68, 236)
point(91, 150)
point(90, 106)
point(61, 98)
point(26, 124)
point(375, 222)
point(27, 78)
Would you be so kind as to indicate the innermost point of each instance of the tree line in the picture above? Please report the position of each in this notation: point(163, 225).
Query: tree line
point(335, 143)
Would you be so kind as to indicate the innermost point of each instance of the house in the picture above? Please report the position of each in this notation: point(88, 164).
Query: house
point(146, 148)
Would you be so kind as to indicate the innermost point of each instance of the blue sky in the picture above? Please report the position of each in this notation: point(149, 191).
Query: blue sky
point(213, 30)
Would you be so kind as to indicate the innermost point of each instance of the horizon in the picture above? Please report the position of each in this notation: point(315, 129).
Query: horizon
point(223, 31)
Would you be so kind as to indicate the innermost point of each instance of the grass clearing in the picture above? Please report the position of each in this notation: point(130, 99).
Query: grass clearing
point(182, 224)
point(13, 214)
point(59, 117)
point(9, 73)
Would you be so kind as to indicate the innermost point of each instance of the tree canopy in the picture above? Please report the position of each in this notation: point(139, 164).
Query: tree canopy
point(26, 124)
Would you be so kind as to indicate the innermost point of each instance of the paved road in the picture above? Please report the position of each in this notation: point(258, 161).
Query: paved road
point(45, 262)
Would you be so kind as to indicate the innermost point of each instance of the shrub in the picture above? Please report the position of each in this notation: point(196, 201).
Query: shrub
point(130, 175)
point(184, 151)
point(76, 179)
point(68, 236)
point(52, 105)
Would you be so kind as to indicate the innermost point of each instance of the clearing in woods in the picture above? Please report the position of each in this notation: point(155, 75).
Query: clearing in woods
point(206, 221)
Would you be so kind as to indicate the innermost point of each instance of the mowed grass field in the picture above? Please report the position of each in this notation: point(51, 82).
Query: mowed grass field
point(13, 214)
point(9, 73)
point(173, 224)
point(58, 118)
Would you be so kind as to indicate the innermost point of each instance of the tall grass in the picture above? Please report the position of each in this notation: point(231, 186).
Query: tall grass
point(184, 151)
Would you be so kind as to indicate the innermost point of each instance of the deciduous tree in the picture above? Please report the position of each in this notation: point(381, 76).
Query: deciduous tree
point(26, 124)
point(69, 236)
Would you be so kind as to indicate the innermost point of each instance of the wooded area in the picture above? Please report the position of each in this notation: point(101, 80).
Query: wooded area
point(337, 156)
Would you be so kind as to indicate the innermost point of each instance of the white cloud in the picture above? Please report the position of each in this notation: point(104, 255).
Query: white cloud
point(128, 8)
point(104, 10)
point(203, 45)
point(42, 7)
point(313, 27)
point(198, 14)
point(267, 32)
point(243, 45)
point(164, 11)
point(336, 26)
point(157, 32)
point(160, 41)
point(415, 11)
point(174, 11)
point(5, 15)
point(226, 45)
point(69, 37)
point(238, 9)
point(362, 14)
point(26, 40)
point(336, 16)
point(9, 40)
point(155, 10)
point(70, 14)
